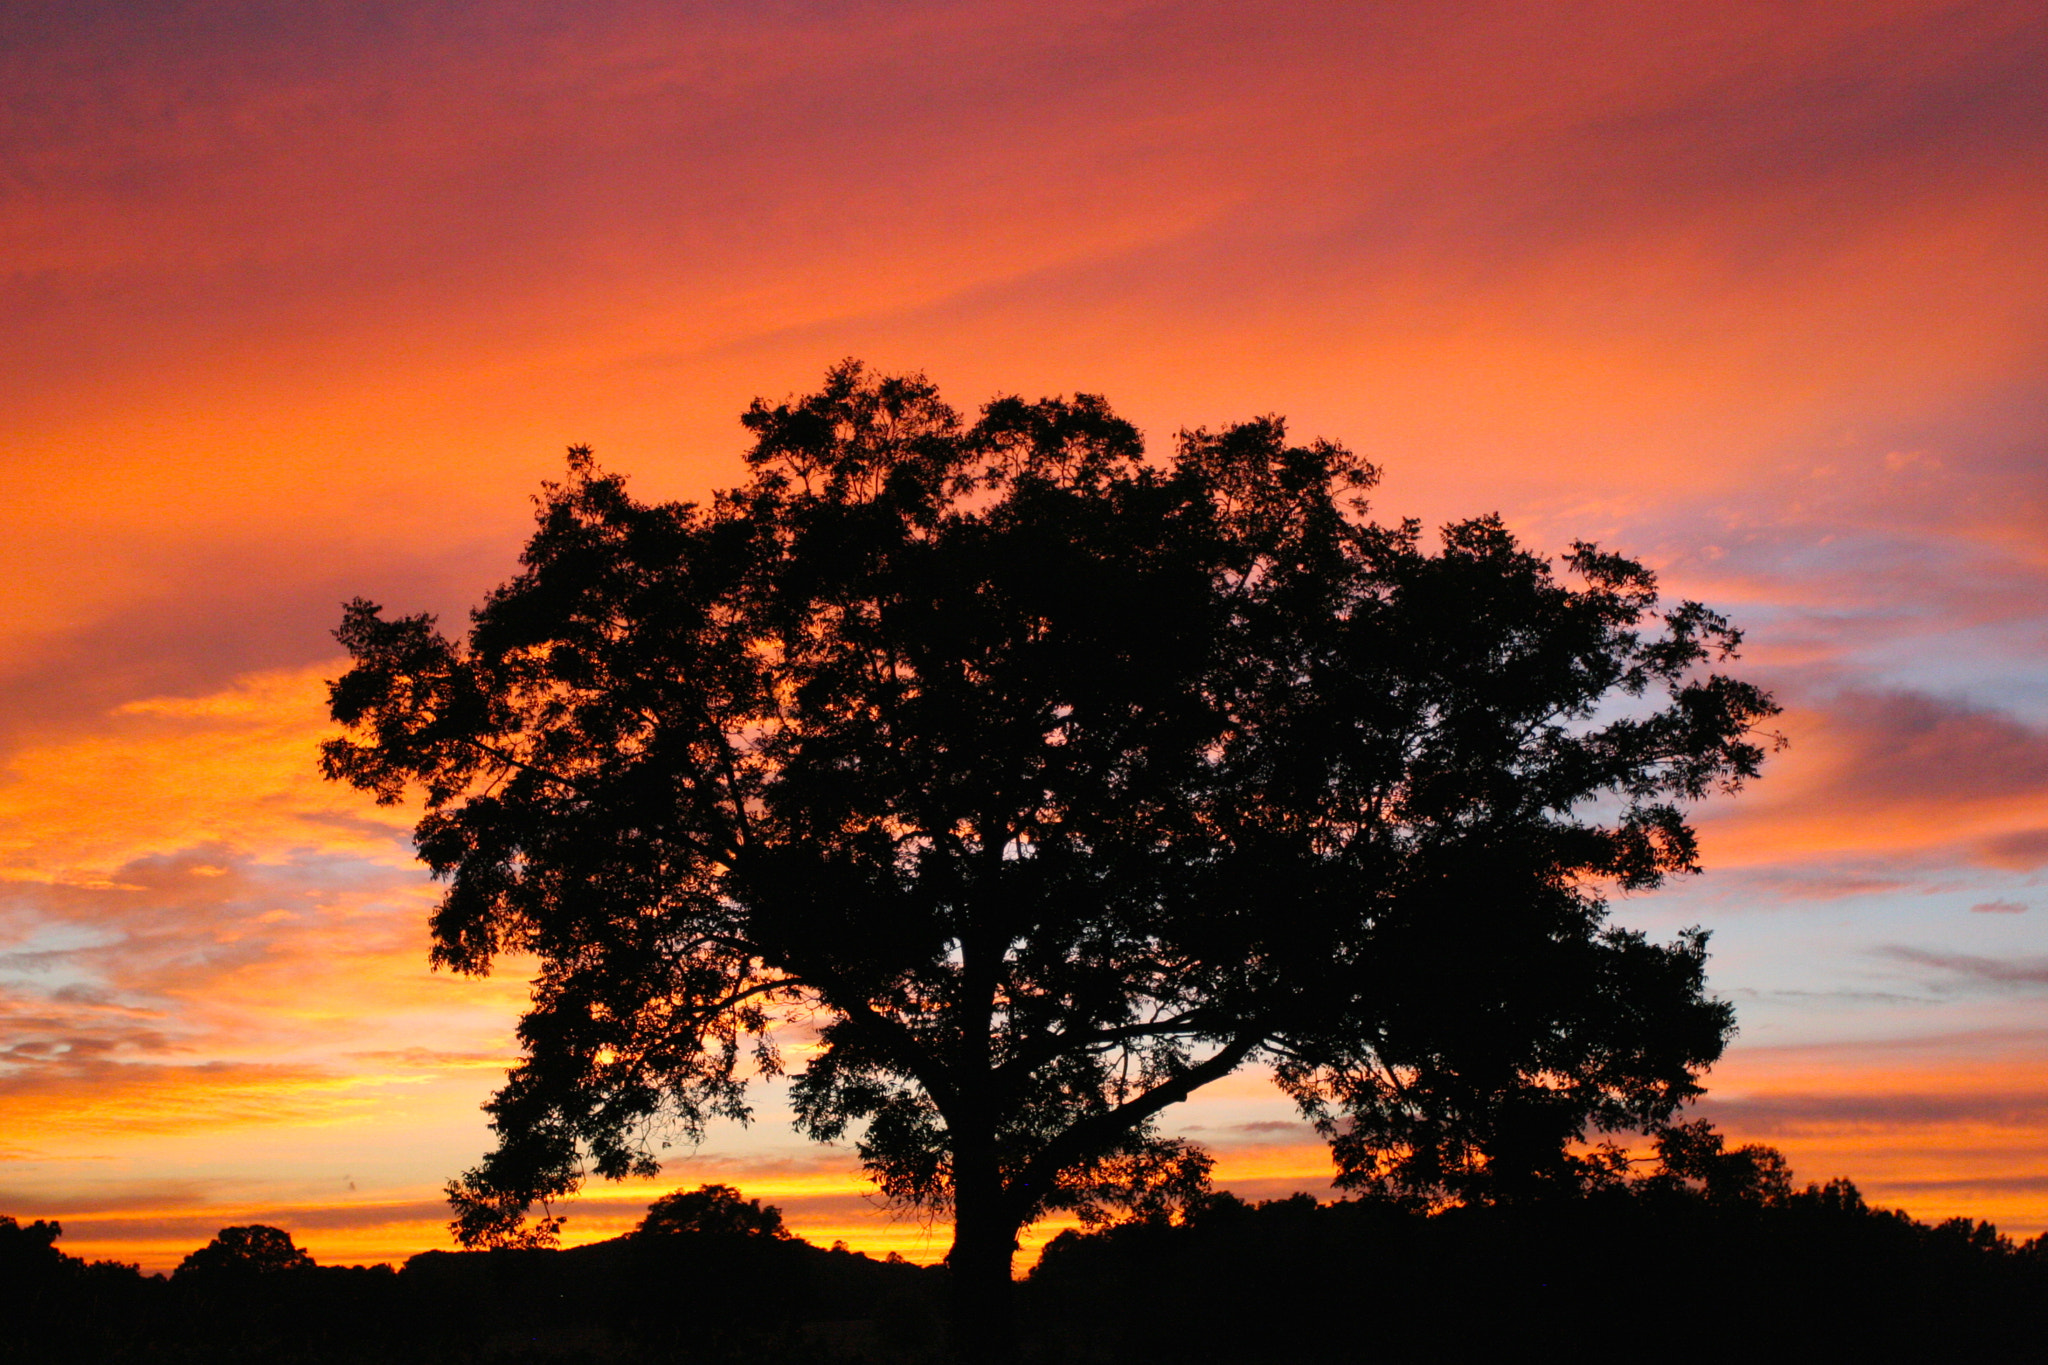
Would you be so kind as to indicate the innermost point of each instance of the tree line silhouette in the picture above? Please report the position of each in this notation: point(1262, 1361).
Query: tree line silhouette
point(1709, 1253)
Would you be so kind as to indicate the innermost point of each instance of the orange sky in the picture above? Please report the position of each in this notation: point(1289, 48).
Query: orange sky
point(303, 299)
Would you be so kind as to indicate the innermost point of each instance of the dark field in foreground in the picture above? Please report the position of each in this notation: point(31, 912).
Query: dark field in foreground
point(1670, 1273)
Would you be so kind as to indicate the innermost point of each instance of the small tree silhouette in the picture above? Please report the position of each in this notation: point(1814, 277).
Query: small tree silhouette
point(716, 1209)
point(1693, 1157)
point(254, 1250)
point(29, 1255)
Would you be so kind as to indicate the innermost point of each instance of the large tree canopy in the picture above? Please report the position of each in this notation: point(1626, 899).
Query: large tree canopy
point(1034, 785)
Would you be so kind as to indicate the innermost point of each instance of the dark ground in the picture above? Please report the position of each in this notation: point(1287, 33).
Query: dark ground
point(1813, 1275)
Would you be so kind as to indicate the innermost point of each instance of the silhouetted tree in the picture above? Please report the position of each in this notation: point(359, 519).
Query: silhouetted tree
point(29, 1249)
point(715, 1209)
point(1049, 785)
point(56, 1307)
point(1695, 1157)
point(257, 1249)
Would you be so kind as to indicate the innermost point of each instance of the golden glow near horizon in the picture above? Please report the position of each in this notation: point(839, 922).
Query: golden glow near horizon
point(306, 303)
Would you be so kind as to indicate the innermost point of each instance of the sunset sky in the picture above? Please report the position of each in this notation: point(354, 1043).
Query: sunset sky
point(303, 300)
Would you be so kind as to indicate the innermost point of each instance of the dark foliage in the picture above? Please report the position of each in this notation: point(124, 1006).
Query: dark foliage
point(236, 1253)
point(717, 1210)
point(1048, 785)
point(1715, 1266)
point(58, 1307)
point(701, 1298)
point(1714, 1255)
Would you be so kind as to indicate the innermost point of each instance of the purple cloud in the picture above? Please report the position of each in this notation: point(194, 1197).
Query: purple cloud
point(1989, 970)
point(1910, 747)
point(1784, 1114)
point(2022, 850)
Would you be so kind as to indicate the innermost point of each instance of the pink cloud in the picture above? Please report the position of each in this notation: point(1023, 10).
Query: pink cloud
point(1973, 967)
point(1892, 774)
point(2021, 850)
point(1907, 747)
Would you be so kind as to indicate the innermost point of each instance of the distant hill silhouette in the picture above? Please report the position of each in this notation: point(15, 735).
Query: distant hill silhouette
point(1715, 1266)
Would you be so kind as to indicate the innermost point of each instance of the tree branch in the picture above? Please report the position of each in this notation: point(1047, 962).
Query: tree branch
point(898, 1041)
point(1051, 1045)
point(1098, 1131)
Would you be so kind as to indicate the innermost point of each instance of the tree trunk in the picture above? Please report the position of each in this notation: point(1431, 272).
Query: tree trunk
point(984, 1240)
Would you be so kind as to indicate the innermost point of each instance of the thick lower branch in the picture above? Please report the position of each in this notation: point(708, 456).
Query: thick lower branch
point(1098, 1132)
